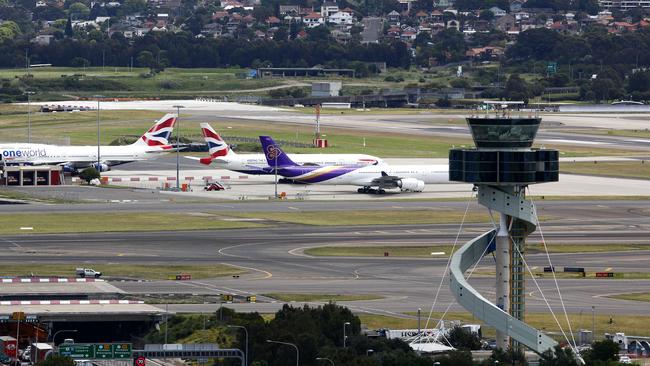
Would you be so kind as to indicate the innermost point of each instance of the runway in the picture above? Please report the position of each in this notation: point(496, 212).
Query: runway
point(275, 263)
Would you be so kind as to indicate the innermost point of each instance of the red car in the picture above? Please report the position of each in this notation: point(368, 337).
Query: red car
point(214, 187)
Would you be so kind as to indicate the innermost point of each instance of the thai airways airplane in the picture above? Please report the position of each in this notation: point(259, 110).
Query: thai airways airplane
point(149, 145)
point(372, 178)
point(223, 157)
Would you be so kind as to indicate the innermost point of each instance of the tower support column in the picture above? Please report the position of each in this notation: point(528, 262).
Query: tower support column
point(502, 254)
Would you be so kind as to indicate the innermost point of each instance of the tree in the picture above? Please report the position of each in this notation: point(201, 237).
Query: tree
point(558, 356)
point(68, 27)
point(605, 350)
point(56, 360)
point(79, 10)
point(486, 15)
point(455, 358)
point(145, 59)
point(517, 88)
point(89, 174)
point(464, 339)
point(505, 357)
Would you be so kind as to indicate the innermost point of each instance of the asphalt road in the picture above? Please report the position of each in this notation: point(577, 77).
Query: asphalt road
point(275, 262)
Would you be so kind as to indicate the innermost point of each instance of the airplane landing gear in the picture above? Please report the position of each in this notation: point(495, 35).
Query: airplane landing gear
point(370, 190)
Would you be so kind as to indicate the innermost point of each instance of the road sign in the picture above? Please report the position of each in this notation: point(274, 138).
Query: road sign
point(104, 350)
point(122, 350)
point(78, 350)
point(140, 361)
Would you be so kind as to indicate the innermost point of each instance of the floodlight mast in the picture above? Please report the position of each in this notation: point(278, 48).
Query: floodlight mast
point(501, 166)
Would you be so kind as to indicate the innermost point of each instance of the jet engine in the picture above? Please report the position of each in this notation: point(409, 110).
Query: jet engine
point(101, 167)
point(411, 184)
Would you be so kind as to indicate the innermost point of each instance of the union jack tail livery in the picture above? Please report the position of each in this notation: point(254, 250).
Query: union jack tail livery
point(158, 135)
point(216, 145)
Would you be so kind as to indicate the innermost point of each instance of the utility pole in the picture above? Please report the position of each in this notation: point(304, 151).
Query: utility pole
point(99, 167)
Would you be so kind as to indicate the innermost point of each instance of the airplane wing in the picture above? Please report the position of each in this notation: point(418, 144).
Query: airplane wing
point(385, 181)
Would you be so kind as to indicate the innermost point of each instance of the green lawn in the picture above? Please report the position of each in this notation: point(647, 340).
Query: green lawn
point(339, 218)
point(425, 251)
point(378, 251)
point(637, 296)
point(289, 297)
point(139, 271)
point(623, 169)
point(101, 222)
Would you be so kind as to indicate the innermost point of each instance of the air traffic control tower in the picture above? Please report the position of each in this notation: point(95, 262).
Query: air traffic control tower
point(501, 167)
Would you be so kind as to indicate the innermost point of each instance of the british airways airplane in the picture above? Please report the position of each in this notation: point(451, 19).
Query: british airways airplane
point(223, 157)
point(72, 158)
point(372, 178)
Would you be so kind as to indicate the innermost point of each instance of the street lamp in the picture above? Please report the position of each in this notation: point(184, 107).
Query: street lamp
point(178, 144)
point(246, 332)
point(325, 359)
point(419, 331)
point(29, 116)
point(344, 336)
point(61, 331)
point(99, 167)
point(288, 344)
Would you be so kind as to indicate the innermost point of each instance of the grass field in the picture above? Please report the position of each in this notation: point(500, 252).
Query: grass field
point(629, 324)
point(140, 271)
point(102, 222)
point(288, 297)
point(637, 296)
point(172, 82)
point(378, 251)
point(626, 169)
point(394, 217)
point(425, 251)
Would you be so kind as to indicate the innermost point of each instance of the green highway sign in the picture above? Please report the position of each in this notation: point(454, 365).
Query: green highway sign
point(78, 350)
point(97, 351)
point(122, 350)
point(104, 350)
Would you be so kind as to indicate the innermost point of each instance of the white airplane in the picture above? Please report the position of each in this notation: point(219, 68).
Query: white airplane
point(372, 178)
point(223, 157)
point(72, 158)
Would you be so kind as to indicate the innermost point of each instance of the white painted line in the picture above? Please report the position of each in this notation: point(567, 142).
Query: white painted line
point(26, 228)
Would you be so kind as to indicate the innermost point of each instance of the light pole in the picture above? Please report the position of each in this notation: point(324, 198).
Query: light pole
point(61, 331)
point(419, 311)
point(345, 337)
point(288, 344)
point(325, 359)
point(99, 167)
point(178, 145)
point(245, 332)
point(593, 323)
point(29, 116)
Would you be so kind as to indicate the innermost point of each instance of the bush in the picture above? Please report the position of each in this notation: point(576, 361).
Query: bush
point(89, 174)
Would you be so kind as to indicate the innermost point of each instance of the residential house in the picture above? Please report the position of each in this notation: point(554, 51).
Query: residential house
point(393, 18)
point(497, 11)
point(505, 22)
point(453, 23)
point(421, 16)
point(393, 32)
point(328, 8)
point(40, 3)
point(341, 18)
point(313, 20)
point(219, 16)
point(516, 5)
point(43, 39)
point(289, 9)
point(484, 53)
point(273, 21)
point(408, 34)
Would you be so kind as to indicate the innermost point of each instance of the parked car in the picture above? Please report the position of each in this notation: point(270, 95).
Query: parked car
point(214, 186)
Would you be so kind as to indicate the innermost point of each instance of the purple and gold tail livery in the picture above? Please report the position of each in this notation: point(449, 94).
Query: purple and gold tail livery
point(275, 156)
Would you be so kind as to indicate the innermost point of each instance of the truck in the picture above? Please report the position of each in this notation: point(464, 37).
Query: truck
point(40, 351)
point(8, 346)
point(87, 272)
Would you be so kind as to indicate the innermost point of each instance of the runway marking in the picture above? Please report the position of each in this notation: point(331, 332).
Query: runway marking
point(294, 252)
point(608, 269)
point(267, 273)
point(293, 208)
point(13, 243)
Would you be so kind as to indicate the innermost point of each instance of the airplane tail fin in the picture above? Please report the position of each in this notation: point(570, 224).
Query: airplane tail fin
point(275, 156)
point(216, 145)
point(158, 135)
